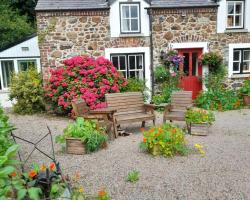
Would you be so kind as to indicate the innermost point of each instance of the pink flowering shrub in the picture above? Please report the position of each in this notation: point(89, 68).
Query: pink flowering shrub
point(83, 77)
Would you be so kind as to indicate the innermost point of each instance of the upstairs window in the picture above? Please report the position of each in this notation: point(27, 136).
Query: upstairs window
point(130, 18)
point(235, 14)
point(241, 61)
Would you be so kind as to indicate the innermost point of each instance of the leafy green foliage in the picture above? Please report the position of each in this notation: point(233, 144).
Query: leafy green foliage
point(166, 140)
point(213, 60)
point(133, 176)
point(13, 27)
point(197, 115)
point(26, 88)
point(86, 130)
point(245, 89)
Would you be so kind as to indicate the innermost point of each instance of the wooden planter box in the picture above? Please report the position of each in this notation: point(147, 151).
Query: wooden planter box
point(246, 100)
point(198, 129)
point(75, 146)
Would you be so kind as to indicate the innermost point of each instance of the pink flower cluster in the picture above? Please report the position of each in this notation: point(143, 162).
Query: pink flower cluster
point(83, 77)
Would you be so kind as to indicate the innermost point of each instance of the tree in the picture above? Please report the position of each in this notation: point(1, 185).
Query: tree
point(13, 27)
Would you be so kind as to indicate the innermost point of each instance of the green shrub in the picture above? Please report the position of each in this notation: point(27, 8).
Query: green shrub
point(218, 99)
point(197, 115)
point(166, 140)
point(245, 89)
point(133, 176)
point(213, 59)
point(26, 88)
point(86, 130)
point(135, 85)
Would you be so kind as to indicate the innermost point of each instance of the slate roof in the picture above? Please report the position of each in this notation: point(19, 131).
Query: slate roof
point(104, 4)
point(181, 3)
point(71, 4)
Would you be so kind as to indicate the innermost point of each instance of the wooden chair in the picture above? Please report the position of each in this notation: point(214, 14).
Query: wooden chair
point(130, 107)
point(104, 117)
point(180, 101)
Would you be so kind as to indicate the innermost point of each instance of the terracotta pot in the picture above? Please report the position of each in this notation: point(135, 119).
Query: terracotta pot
point(246, 100)
point(155, 150)
point(75, 146)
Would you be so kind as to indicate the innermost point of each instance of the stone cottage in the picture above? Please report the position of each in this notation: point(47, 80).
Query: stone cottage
point(133, 33)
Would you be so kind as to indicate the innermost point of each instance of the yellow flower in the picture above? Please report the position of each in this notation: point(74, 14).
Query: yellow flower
point(81, 189)
point(198, 146)
point(43, 168)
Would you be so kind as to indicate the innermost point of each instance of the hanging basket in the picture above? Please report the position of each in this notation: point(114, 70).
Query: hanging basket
point(75, 146)
point(201, 129)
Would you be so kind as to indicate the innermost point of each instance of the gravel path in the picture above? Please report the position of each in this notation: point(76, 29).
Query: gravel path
point(224, 173)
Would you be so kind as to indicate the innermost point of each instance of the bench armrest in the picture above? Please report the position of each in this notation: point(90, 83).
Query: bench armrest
point(103, 111)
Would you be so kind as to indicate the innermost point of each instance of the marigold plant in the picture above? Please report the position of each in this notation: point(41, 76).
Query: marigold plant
point(198, 115)
point(167, 140)
point(82, 77)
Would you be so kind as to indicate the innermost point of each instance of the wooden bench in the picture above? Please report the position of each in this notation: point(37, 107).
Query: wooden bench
point(180, 101)
point(130, 107)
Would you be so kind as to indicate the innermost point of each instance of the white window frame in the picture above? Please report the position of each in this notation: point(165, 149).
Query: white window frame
point(130, 18)
point(1, 73)
point(234, 15)
point(246, 71)
point(241, 61)
point(237, 61)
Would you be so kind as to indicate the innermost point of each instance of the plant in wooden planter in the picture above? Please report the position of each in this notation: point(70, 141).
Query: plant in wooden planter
point(166, 140)
point(245, 91)
point(198, 120)
point(83, 136)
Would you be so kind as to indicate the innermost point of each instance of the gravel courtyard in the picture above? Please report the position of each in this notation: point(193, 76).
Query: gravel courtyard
point(224, 173)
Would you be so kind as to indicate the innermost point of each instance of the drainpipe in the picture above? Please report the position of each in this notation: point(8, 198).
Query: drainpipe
point(151, 52)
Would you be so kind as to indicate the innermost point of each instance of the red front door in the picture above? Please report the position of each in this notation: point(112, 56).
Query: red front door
point(192, 70)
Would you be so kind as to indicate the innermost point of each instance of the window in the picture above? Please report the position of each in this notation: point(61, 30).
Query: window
point(241, 61)
point(7, 68)
point(25, 48)
point(130, 65)
point(235, 14)
point(23, 65)
point(130, 18)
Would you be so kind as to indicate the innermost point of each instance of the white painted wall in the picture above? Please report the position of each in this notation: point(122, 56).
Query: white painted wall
point(145, 50)
point(222, 16)
point(115, 18)
point(230, 61)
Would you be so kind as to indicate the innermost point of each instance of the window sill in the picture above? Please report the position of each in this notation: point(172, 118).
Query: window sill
point(236, 31)
point(4, 91)
point(131, 35)
point(240, 75)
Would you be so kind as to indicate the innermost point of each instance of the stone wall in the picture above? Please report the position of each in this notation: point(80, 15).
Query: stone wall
point(191, 25)
point(66, 34)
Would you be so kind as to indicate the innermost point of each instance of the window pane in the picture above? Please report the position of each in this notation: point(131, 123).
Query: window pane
point(238, 20)
point(132, 74)
point(125, 11)
point(115, 61)
point(134, 25)
point(134, 11)
point(230, 21)
point(131, 62)
point(194, 63)
point(236, 56)
point(7, 70)
point(238, 9)
point(139, 62)
point(125, 25)
point(186, 64)
point(246, 56)
point(123, 63)
point(23, 65)
point(236, 67)
point(230, 8)
point(246, 66)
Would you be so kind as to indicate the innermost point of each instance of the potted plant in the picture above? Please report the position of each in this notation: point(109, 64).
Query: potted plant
point(166, 140)
point(198, 120)
point(82, 136)
point(245, 91)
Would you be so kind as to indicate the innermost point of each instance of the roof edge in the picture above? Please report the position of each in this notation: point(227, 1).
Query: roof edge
point(181, 7)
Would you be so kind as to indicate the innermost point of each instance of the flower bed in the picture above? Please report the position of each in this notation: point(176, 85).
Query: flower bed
point(84, 77)
point(166, 140)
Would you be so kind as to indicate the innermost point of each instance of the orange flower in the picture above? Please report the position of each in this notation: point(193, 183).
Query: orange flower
point(52, 166)
point(248, 78)
point(160, 130)
point(144, 140)
point(13, 174)
point(42, 168)
point(102, 193)
point(237, 103)
point(32, 173)
point(142, 129)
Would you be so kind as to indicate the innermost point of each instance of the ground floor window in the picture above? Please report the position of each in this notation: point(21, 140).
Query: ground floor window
point(130, 65)
point(23, 65)
point(7, 68)
point(241, 61)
